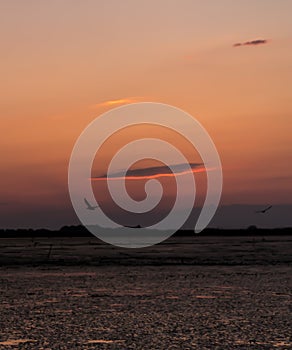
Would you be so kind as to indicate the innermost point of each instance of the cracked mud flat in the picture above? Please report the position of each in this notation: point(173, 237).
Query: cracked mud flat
point(177, 305)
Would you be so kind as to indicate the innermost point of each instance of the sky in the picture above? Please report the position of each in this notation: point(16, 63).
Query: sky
point(63, 63)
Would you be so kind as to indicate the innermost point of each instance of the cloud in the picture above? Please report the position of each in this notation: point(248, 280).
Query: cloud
point(154, 172)
point(121, 101)
point(252, 43)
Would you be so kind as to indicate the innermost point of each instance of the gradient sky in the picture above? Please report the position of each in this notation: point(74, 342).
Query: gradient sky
point(61, 61)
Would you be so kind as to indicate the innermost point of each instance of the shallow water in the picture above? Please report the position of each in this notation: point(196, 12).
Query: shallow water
point(146, 307)
point(190, 293)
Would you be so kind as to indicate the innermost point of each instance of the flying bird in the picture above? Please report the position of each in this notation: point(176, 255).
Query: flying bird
point(264, 210)
point(89, 206)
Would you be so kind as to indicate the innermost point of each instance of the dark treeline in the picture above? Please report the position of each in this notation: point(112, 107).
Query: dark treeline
point(81, 231)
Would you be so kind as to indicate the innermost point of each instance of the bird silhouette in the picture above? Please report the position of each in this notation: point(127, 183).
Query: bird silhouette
point(89, 206)
point(264, 210)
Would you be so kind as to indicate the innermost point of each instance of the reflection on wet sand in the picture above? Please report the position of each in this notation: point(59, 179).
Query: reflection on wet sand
point(16, 342)
point(150, 299)
point(103, 341)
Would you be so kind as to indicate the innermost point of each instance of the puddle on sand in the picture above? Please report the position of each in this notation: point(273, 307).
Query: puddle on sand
point(273, 343)
point(245, 342)
point(39, 274)
point(47, 301)
point(104, 341)
point(63, 311)
point(17, 341)
point(172, 297)
point(281, 343)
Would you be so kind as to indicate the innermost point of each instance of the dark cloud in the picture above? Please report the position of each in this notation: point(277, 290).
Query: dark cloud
point(157, 170)
point(252, 43)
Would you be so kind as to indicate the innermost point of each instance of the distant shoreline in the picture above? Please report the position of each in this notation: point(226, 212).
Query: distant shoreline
point(81, 231)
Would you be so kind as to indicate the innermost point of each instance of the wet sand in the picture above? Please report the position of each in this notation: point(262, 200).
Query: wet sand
point(188, 293)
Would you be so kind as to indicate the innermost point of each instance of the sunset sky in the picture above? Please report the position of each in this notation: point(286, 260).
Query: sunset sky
point(63, 63)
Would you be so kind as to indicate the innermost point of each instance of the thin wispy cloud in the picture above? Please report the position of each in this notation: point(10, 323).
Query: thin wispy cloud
point(252, 43)
point(117, 102)
point(154, 172)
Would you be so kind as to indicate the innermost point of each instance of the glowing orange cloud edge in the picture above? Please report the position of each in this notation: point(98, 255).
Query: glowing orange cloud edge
point(156, 176)
point(117, 102)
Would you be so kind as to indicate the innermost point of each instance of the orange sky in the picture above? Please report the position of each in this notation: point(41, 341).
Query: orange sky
point(65, 62)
